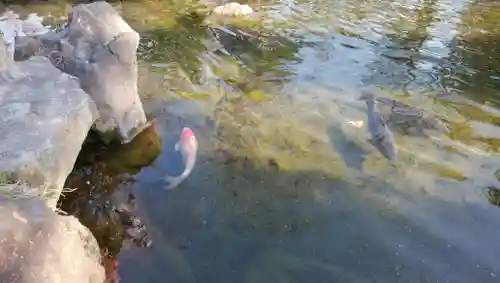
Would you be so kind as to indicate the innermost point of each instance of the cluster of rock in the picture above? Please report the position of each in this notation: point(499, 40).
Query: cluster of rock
point(55, 87)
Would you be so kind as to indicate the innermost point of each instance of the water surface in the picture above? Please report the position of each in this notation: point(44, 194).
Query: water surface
point(285, 189)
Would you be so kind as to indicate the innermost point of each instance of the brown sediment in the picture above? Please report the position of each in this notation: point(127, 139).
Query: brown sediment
point(110, 267)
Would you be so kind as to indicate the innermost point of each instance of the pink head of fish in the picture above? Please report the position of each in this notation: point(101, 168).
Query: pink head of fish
point(188, 139)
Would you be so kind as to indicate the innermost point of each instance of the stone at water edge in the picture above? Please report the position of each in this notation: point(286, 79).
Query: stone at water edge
point(99, 48)
point(110, 77)
point(45, 115)
point(39, 246)
point(44, 119)
point(233, 9)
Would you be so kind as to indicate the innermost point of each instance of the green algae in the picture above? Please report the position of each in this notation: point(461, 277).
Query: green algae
point(270, 132)
point(131, 157)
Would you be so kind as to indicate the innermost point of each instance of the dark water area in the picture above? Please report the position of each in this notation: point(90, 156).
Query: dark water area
point(286, 187)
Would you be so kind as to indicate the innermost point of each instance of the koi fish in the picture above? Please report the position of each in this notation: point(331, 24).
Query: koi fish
point(187, 145)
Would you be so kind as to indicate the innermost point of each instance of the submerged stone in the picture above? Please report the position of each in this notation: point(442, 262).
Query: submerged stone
point(233, 9)
point(104, 205)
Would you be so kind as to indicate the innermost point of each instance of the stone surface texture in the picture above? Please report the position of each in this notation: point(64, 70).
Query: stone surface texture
point(39, 246)
point(99, 48)
point(233, 9)
point(55, 86)
point(45, 117)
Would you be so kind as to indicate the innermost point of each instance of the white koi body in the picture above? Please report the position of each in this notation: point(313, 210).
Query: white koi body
point(188, 146)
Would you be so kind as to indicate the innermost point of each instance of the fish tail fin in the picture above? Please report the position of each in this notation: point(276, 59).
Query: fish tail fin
point(174, 181)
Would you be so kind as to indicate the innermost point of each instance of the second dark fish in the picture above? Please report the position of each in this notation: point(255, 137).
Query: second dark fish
point(380, 135)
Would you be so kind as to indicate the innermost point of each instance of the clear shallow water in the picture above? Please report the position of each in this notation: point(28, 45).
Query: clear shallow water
point(281, 192)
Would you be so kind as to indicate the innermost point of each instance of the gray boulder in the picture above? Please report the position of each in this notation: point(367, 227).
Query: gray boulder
point(46, 112)
point(39, 246)
point(99, 48)
point(45, 117)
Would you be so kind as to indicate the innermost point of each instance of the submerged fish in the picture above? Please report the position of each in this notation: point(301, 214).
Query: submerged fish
point(187, 145)
point(411, 120)
point(381, 136)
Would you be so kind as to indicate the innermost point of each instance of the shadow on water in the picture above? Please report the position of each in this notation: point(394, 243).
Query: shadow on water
point(235, 222)
point(238, 219)
point(352, 155)
point(102, 201)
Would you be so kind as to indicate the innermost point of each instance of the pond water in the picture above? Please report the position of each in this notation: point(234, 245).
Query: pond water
point(285, 188)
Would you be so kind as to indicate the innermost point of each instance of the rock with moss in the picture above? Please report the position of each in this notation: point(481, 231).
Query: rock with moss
point(37, 245)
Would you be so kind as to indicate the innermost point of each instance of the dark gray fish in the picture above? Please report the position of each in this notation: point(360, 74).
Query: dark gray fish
point(381, 136)
point(494, 196)
point(392, 102)
point(409, 120)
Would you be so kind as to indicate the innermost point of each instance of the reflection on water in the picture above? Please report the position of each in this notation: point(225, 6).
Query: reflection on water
point(286, 189)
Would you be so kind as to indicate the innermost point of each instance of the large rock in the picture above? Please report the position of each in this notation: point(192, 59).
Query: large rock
point(39, 246)
point(46, 112)
point(99, 48)
point(44, 119)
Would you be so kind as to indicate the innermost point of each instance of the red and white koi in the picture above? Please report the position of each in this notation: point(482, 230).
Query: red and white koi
point(188, 146)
